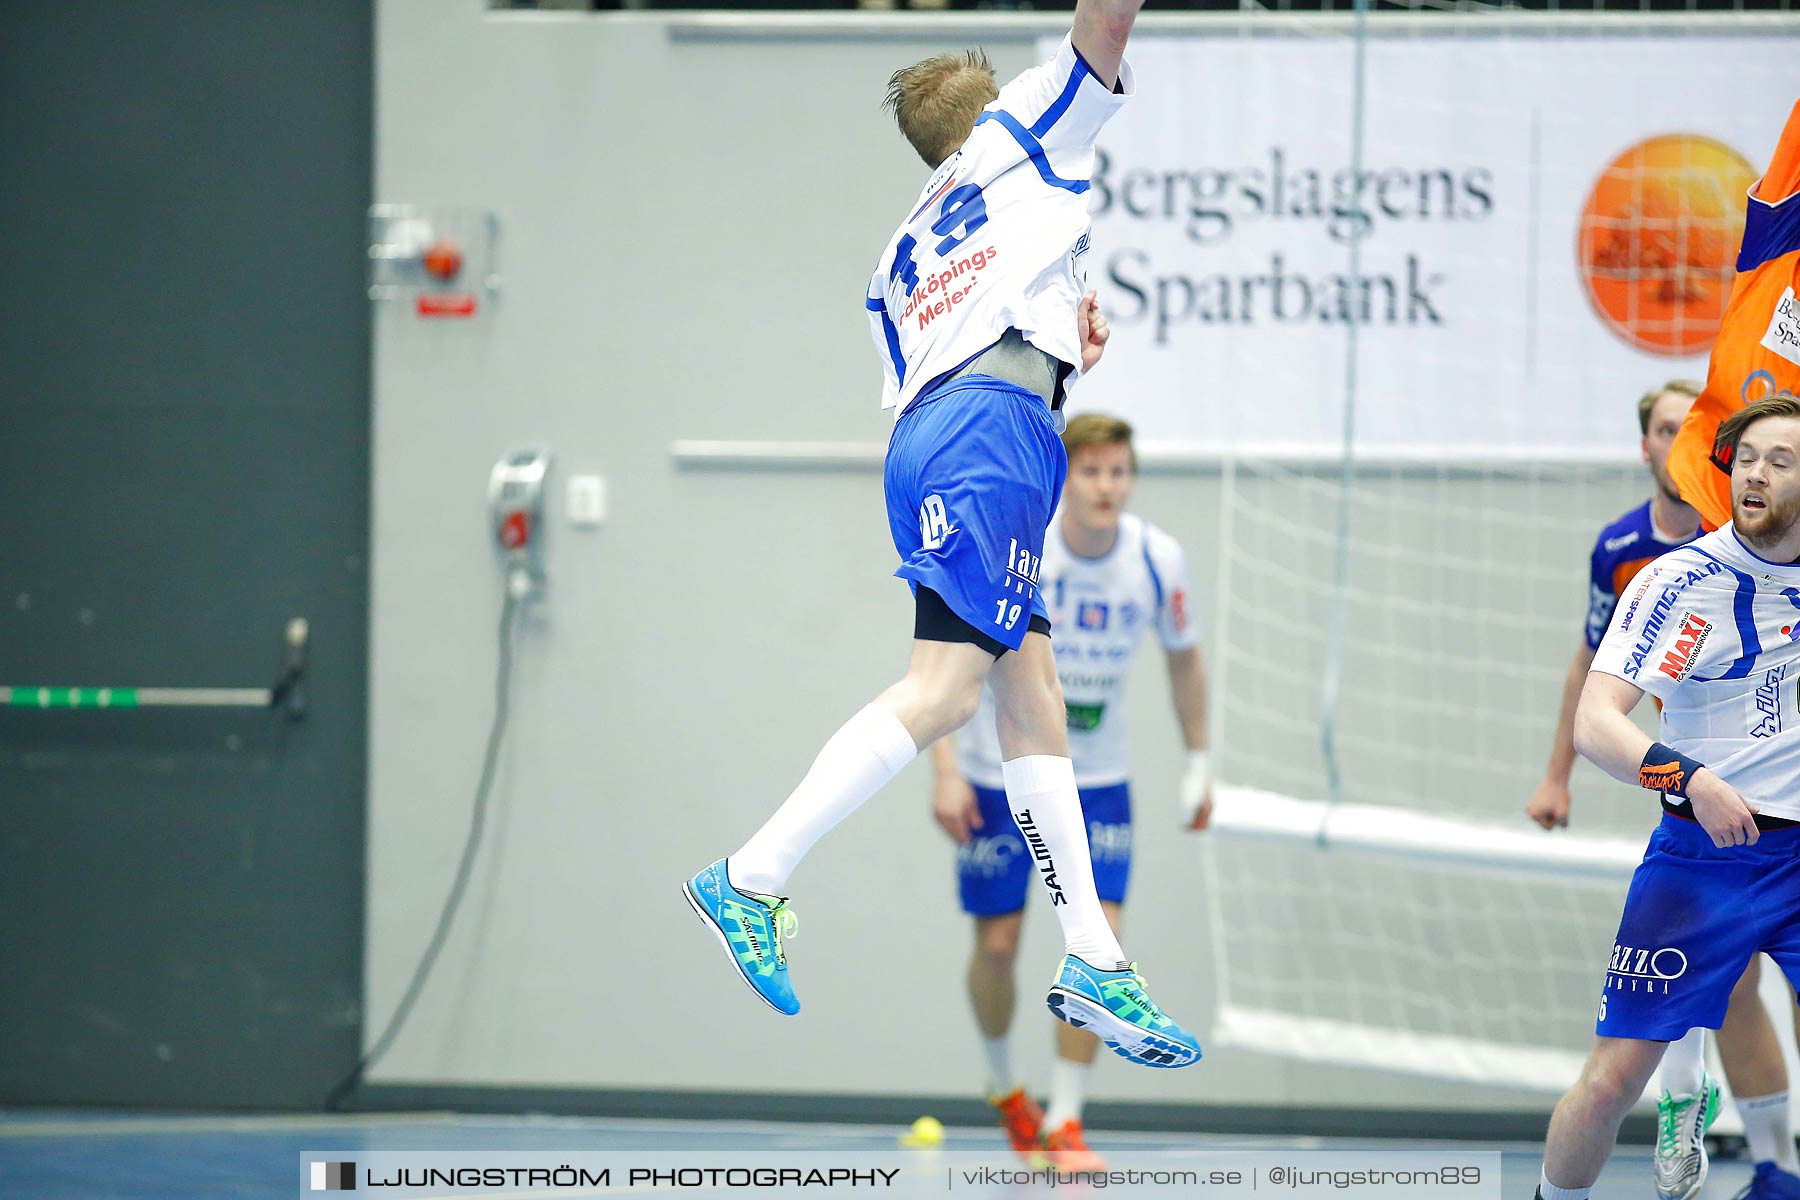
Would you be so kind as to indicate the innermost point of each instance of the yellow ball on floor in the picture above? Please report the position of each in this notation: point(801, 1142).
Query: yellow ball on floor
point(926, 1131)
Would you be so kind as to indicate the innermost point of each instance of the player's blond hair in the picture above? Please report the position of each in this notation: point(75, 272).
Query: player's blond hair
point(1690, 388)
point(936, 101)
point(1725, 442)
point(1098, 429)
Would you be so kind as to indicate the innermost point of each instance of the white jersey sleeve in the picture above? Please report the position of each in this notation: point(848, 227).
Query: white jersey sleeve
point(1169, 580)
point(887, 342)
point(1062, 106)
point(1667, 625)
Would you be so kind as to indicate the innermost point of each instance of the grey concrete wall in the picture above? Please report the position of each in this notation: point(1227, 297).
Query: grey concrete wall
point(687, 220)
point(184, 400)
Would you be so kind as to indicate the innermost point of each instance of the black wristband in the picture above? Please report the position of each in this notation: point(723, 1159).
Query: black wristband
point(1667, 771)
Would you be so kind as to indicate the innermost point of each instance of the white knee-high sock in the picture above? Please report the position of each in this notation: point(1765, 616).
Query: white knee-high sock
point(1040, 790)
point(1769, 1130)
point(864, 754)
point(1684, 1064)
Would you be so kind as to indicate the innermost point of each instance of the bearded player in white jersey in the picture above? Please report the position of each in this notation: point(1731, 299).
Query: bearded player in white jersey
point(1689, 1101)
point(1713, 631)
point(1109, 575)
point(981, 318)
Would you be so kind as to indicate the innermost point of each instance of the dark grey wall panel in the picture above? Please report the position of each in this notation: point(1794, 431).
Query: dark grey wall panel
point(184, 411)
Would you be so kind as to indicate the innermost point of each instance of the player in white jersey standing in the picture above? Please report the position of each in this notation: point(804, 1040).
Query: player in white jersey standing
point(1689, 1100)
point(1713, 631)
point(980, 316)
point(1108, 574)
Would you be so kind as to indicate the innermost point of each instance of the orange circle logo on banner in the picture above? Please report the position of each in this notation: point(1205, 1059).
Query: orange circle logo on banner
point(1659, 238)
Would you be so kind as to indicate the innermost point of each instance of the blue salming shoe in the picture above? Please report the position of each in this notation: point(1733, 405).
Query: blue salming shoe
point(1116, 1006)
point(750, 928)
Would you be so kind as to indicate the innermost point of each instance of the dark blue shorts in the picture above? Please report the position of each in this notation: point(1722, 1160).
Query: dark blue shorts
point(993, 868)
point(1694, 916)
point(974, 471)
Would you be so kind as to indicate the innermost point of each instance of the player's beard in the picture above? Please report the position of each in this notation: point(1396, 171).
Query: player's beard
point(1762, 529)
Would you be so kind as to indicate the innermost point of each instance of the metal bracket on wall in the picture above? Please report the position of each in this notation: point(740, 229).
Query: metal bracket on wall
point(288, 692)
point(442, 261)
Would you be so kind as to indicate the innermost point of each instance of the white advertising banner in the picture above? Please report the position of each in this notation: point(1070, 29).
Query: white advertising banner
point(1545, 228)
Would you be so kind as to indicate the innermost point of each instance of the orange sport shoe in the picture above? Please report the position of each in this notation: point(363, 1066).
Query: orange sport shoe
point(1067, 1148)
point(1022, 1120)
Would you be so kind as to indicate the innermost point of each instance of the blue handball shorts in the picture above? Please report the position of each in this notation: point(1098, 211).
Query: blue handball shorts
point(994, 869)
point(974, 471)
point(1694, 916)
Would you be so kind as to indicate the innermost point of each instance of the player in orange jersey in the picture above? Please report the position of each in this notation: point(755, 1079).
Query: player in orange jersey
point(1758, 351)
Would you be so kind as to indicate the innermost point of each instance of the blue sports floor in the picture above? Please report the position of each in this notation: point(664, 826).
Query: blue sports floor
point(53, 1155)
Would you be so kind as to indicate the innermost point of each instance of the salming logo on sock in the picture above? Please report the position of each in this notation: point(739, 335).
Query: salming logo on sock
point(1041, 852)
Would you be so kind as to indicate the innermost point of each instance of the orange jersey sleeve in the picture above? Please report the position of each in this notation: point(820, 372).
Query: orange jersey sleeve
point(1758, 350)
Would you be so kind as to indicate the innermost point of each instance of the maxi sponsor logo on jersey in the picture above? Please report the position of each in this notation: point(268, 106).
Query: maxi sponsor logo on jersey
point(1689, 639)
point(947, 287)
point(1766, 704)
point(1659, 615)
point(1653, 970)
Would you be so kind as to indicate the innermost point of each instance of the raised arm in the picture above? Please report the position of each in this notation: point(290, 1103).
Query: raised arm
point(1101, 28)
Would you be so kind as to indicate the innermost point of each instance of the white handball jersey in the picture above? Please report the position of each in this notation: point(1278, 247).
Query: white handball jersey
point(998, 237)
point(1713, 632)
point(1098, 609)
